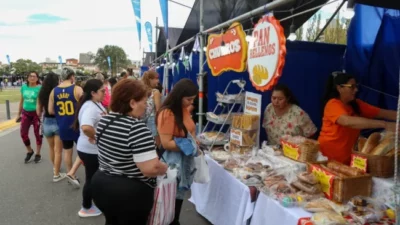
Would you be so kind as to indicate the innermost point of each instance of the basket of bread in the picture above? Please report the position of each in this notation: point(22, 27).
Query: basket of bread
point(340, 182)
point(300, 148)
point(378, 149)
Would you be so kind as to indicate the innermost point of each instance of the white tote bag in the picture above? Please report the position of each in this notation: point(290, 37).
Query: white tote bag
point(202, 174)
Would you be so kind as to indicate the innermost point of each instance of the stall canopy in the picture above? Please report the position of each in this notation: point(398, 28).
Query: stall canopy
point(373, 54)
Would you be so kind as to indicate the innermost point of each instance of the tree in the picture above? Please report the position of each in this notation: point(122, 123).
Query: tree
point(336, 32)
point(299, 33)
point(313, 27)
point(118, 57)
point(24, 66)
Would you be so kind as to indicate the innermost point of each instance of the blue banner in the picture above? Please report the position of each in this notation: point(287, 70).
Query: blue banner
point(164, 12)
point(149, 31)
point(60, 59)
point(8, 59)
point(109, 62)
point(136, 11)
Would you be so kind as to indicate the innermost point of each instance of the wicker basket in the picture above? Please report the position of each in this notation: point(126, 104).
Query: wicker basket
point(379, 166)
point(346, 188)
point(306, 152)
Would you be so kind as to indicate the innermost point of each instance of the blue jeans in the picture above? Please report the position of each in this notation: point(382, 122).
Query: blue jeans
point(151, 124)
point(50, 127)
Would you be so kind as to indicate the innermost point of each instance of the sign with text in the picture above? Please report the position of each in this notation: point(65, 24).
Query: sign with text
point(236, 137)
point(227, 51)
point(252, 104)
point(326, 180)
point(266, 53)
point(359, 162)
point(290, 150)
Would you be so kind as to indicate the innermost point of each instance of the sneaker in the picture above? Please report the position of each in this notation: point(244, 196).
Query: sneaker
point(37, 159)
point(28, 156)
point(93, 211)
point(59, 177)
point(74, 181)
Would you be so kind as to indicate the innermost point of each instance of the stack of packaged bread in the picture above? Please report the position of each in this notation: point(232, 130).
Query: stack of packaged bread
point(377, 144)
point(341, 170)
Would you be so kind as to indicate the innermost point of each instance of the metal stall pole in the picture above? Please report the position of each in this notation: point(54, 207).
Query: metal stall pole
point(155, 43)
point(201, 71)
point(166, 75)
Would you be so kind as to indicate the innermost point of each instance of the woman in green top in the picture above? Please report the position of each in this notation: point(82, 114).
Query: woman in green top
point(28, 116)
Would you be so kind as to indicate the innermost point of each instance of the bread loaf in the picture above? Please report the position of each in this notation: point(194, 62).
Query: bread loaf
point(361, 143)
point(384, 147)
point(344, 169)
point(371, 143)
point(341, 175)
point(390, 153)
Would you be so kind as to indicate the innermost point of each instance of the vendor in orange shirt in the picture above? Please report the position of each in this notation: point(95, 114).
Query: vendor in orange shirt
point(344, 117)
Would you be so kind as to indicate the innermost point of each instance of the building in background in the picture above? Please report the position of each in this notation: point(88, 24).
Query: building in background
point(136, 64)
point(49, 60)
point(72, 62)
point(85, 58)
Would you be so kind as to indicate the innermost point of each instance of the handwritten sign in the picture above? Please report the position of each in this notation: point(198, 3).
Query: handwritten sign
point(359, 162)
point(266, 53)
point(326, 180)
point(252, 104)
point(227, 51)
point(291, 151)
point(237, 137)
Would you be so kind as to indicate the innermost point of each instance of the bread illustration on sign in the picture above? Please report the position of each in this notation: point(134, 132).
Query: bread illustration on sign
point(260, 73)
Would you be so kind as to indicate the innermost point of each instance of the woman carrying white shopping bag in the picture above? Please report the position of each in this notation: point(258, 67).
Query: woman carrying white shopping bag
point(177, 129)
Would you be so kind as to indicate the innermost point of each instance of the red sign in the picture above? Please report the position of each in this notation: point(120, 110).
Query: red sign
point(266, 53)
point(227, 51)
point(290, 150)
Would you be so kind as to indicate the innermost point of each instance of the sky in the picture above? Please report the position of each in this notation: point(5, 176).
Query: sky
point(40, 29)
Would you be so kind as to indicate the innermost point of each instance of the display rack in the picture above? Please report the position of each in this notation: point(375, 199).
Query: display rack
point(227, 103)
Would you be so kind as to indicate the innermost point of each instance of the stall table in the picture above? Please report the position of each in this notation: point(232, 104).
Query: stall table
point(224, 200)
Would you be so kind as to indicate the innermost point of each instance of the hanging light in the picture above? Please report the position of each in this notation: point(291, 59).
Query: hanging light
point(180, 58)
point(349, 13)
point(292, 35)
point(205, 49)
point(157, 67)
point(186, 57)
point(162, 64)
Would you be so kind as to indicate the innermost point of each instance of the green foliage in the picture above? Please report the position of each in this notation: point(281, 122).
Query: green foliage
point(119, 59)
point(24, 66)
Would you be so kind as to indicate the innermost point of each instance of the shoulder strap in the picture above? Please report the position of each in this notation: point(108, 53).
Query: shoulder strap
point(99, 107)
point(106, 126)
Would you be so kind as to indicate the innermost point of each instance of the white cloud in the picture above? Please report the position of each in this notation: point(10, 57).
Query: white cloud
point(91, 24)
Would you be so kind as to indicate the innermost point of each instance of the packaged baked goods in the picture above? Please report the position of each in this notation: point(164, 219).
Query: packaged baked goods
point(251, 179)
point(220, 156)
point(308, 188)
point(344, 169)
point(306, 197)
point(328, 218)
point(245, 122)
point(234, 148)
point(307, 177)
point(319, 205)
point(272, 180)
point(333, 172)
point(384, 146)
point(243, 137)
point(371, 143)
point(231, 164)
point(208, 138)
point(365, 210)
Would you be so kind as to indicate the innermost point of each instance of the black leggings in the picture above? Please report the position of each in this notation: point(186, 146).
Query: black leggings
point(123, 201)
point(91, 165)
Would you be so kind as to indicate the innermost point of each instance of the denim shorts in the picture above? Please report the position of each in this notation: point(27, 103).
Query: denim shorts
point(151, 124)
point(50, 127)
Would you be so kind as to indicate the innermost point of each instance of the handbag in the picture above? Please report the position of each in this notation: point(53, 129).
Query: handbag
point(202, 175)
point(106, 126)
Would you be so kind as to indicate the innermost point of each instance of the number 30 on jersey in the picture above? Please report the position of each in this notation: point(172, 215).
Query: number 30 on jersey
point(66, 108)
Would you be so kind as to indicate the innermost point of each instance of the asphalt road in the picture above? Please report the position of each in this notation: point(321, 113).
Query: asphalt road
point(29, 197)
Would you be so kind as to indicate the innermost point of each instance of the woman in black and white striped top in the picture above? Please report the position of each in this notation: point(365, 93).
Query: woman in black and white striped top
point(127, 157)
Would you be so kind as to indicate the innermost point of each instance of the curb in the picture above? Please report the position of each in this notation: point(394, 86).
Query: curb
point(7, 124)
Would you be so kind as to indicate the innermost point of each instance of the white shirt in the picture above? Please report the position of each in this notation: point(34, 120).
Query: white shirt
point(90, 115)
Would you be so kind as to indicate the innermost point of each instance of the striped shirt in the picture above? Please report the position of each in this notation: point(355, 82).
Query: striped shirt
point(125, 142)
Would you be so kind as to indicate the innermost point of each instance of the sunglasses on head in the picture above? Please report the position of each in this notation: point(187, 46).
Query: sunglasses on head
point(351, 86)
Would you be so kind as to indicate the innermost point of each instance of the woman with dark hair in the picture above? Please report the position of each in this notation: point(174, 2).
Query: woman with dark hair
point(344, 117)
point(112, 82)
point(284, 116)
point(50, 126)
point(89, 113)
point(174, 121)
point(28, 116)
point(123, 187)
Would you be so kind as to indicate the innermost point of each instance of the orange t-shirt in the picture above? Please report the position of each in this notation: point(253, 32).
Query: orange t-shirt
point(337, 141)
point(166, 123)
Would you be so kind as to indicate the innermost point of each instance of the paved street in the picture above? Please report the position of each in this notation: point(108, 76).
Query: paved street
point(28, 196)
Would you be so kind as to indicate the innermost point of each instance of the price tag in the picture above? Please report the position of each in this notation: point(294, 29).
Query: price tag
point(290, 151)
point(359, 162)
point(325, 178)
point(236, 137)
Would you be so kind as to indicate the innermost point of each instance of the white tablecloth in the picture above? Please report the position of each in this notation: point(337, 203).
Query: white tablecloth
point(270, 212)
point(224, 200)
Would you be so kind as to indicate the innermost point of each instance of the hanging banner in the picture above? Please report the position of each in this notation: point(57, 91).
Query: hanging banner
point(8, 59)
point(136, 11)
point(266, 53)
point(149, 32)
point(60, 59)
point(109, 62)
point(227, 51)
point(164, 12)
